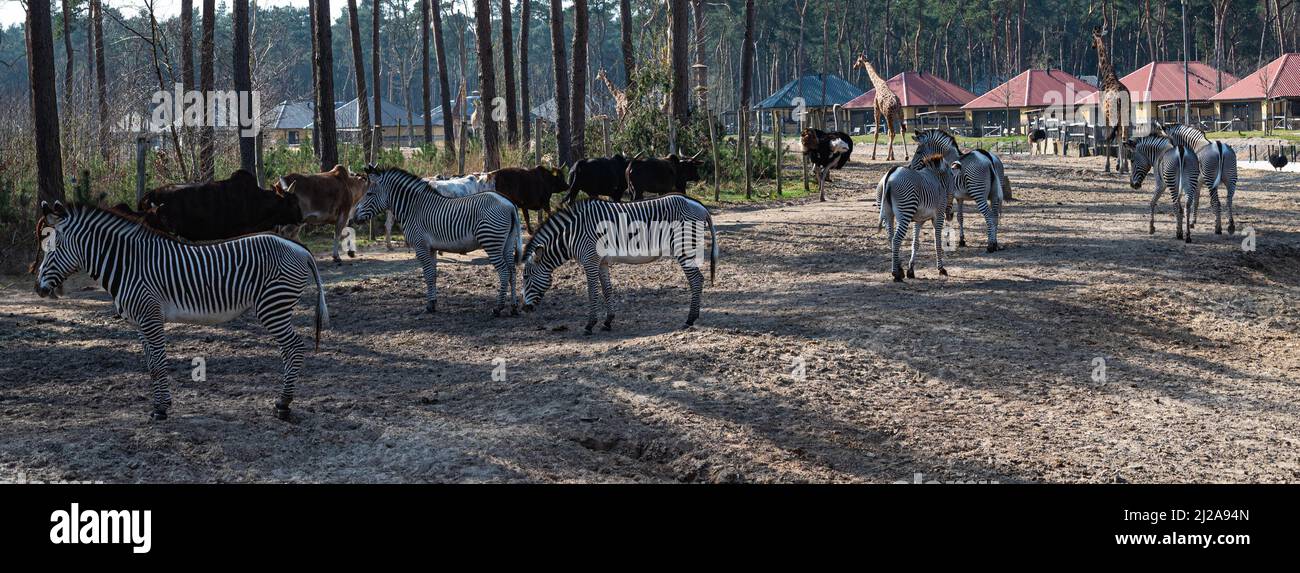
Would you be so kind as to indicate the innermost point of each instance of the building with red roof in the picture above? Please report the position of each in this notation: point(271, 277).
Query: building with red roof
point(1270, 94)
point(1050, 93)
point(1157, 92)
point(926, 99)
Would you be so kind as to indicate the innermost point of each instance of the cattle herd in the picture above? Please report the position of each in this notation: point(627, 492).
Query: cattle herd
point(202, 253)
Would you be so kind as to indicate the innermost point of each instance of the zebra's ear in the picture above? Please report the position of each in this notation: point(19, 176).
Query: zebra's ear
point(45, 208)
point(58, 209)
point(955, 166)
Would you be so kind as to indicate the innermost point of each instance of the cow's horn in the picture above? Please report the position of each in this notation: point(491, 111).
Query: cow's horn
point(697, 155)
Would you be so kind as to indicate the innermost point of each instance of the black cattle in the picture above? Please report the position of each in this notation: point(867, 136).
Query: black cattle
point(528, 188)
point(661, 176)
point(599, 177)
point(826, 150)
point(220, 209)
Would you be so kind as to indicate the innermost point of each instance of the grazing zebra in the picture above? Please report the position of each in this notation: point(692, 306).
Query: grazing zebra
point(155, 279)
point(432, 223)
point(1177, 169)
point(982, 180)
point(597, 233)
point(1218, 164)
point(914, 196)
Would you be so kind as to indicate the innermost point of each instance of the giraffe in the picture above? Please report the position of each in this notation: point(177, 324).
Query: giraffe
point(1114, 96)
point(887, 106)
point(620, 96)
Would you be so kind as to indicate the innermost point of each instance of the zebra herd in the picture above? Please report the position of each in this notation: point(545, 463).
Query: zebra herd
point(1181, 156)
point(155, 278)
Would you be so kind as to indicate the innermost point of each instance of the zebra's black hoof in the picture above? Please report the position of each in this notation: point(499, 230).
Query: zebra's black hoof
point(590, 325)
point(282, 412)
point(898, 277)
point(496, 312)
point(609, 320)
point(352, 254)
point(911, 274)
point(943, 272)
point(158, 415)
point(338, 261)
point(431, 307)
point(1232, 229)
point(961, 243)
point(514, 310)
point(993, 247)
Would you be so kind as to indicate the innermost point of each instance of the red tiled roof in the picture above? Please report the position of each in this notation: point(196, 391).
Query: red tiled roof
point(1163, 82)
point(915, 89)
point(1032, 88)
point(1282, 76)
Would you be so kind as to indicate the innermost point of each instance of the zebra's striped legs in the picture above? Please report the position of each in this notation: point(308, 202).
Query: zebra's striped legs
point(504, 263)
point(1218, 214)
point(900, 233)
point(155, 355)
point(607, 291)
point(1232, 222)
point(990, 220)
point(695, 279)
point(592, 270)
point(911, 263)
point(938, 245)
point(429, 264)
point(275, 312)
point(961, 225)
point(1178, 209)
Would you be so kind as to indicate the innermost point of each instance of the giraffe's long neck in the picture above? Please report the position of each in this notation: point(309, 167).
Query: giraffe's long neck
point(876, 80)
point(1104, 68)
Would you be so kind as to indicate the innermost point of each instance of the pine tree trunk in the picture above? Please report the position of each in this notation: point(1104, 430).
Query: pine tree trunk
point(207, 49)
point(378, 143)
point(359, 63)
point(629, 50)
point(508, 65)
point(679, 43)
point(487, 84)
point(444, 89)
point(244, 85)
point(101, 79)
point(424, 72)
point(746, 79)
point(561, 67)
point(67, 48)
point(524, 73)
point(578, 105)
point(329, 153)
point(45, 105)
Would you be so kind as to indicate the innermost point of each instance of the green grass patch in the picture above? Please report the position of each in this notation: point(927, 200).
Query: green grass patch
point(1276, 134)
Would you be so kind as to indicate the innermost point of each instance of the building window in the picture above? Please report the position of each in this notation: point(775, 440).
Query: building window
point(293, 138)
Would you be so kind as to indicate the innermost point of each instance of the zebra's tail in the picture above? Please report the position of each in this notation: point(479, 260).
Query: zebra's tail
point(1218, 172)
point(322, 310)
point(882, 198)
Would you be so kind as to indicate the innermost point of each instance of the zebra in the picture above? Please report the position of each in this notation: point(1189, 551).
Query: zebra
point(155, 278)
point(1218, 166)
point(982, 180)
point(914, 196)
point(1177, 169)
point(597, 233)
point(433, 222)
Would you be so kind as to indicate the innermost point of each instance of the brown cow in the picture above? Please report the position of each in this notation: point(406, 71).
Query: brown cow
point(325, 198)
point(529, 188)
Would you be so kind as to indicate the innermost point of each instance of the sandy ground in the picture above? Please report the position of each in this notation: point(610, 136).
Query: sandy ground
point(988, 375)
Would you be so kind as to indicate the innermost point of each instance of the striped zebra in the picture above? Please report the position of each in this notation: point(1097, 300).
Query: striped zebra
point(982, 179)
point(155, 279)
point(1177, 169)
point(433, 223)
point(910, 196)
point(1218, 163)
point(597, 233)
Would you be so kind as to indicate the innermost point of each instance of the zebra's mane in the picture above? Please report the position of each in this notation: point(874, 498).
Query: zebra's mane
point(403, 176)
point(551, 228)
point(936, 135)
point(1187, 135)
point(1153, 139)
point(137, 219)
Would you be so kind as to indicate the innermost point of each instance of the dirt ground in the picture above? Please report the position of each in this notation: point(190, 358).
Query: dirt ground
point(808, 364)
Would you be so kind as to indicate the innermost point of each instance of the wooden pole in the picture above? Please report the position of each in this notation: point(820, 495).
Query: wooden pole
point(804, 161)
point(713, 147)
point(776, 150)
point(537, 142)
point(257, 155)
point(604, 135)
point(460, 153)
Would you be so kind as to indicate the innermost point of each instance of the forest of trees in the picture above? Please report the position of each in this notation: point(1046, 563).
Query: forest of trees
point(421, 54)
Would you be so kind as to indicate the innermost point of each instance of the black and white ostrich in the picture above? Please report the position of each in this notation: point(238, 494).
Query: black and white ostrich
point(826, 150)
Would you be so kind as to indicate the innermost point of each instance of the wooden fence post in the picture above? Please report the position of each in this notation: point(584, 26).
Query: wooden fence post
point(713, 146)
point(776, 150)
